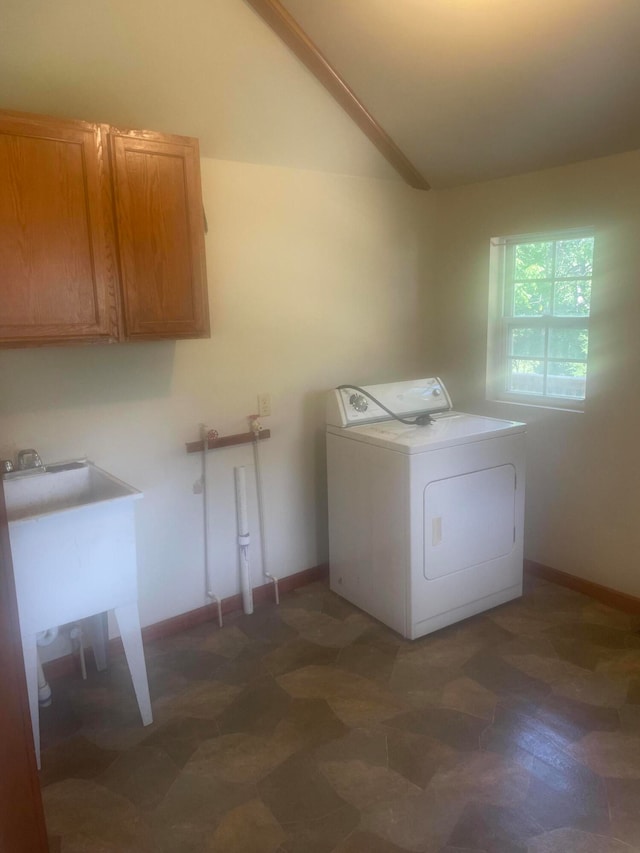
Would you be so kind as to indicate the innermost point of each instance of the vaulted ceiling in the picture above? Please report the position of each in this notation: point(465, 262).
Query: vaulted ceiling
point(467, 89)
point(477, 89)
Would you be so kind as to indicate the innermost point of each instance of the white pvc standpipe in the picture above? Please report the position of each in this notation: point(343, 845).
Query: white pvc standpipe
point(243, 539)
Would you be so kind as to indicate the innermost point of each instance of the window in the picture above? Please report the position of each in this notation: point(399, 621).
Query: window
point(539, 318)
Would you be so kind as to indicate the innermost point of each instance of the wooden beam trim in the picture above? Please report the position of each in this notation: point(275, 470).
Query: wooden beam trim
point(292, 34)
point(227, 441)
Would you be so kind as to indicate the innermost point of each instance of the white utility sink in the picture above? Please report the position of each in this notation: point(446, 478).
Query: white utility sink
point(72, 533)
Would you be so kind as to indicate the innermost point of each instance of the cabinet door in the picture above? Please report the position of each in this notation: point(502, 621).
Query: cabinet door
point(160, 231)
point(58, 274)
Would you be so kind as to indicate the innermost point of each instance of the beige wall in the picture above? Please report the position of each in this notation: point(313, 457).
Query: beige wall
point(583, 488)
point(315, 279)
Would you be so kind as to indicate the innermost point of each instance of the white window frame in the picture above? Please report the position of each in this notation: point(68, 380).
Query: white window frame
point(501, 322)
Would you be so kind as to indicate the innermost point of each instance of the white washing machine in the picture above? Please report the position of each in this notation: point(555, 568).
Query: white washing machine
point(425, 519)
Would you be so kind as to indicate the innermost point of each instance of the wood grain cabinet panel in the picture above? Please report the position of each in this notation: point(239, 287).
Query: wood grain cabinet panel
point(101, 234)
point(160, 228)
point(57, 257)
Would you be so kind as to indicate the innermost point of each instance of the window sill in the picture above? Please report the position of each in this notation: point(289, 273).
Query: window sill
point(533, 403)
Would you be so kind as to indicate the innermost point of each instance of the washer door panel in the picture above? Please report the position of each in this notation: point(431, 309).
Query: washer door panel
point(468, 520)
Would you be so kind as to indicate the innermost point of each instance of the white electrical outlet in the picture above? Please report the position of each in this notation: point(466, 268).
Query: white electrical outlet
point(264, 405)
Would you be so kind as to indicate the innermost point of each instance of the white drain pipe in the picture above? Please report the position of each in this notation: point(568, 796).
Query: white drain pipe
point(243, 539)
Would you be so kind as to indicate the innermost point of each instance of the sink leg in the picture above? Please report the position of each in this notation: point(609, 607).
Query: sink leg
point(129, 624)
point(30, 654)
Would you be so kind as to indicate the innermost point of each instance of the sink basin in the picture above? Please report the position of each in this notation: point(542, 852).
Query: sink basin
point(61, 487)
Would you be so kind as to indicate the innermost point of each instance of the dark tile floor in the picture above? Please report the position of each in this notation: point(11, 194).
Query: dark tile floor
point(311, 728)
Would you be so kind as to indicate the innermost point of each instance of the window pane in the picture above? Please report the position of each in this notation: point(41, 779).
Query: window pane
point(531, 298)
point(572, 298)
point(567, 379)
point(525, 375)
point(527, 342)
point(568, 343)
point(574, 257)
point(533, 260)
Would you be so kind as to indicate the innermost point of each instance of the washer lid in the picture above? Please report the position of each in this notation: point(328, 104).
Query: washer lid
point(449, 428)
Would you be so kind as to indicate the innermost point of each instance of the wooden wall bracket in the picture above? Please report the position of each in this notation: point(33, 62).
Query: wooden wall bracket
point(226, 441)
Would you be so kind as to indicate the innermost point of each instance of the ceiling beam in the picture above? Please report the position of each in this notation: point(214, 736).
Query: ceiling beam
point(292, 34)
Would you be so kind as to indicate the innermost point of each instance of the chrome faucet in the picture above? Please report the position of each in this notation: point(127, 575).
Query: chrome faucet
point(28, 459)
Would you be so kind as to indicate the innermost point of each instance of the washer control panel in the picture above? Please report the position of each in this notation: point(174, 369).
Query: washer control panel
point(348, 405)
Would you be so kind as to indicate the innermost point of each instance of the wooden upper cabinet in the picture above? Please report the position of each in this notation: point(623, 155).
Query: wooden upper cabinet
point(160, 227)
point(57, 259)
point(101, 234)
